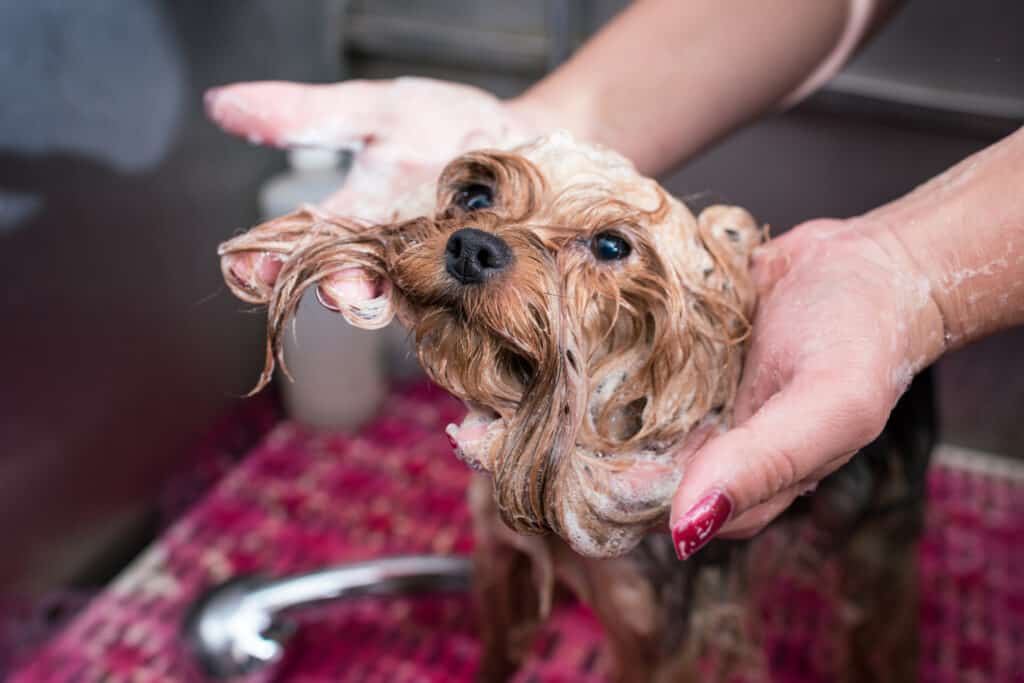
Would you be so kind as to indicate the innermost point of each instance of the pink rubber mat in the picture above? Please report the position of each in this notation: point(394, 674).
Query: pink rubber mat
point(302, 500)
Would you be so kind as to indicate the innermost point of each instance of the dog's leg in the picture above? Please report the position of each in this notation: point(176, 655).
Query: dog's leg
point(880, 583)
point(880, 558)
point(507, 608)
point(624, 600)
point(505, 587)
point(665, 619)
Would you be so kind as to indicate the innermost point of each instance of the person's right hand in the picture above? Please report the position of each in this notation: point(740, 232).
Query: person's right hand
point(403, 131)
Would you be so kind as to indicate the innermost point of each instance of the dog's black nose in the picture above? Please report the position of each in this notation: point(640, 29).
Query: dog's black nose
point(473, 255)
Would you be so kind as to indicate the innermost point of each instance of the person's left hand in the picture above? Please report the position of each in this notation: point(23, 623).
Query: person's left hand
point(843, 323)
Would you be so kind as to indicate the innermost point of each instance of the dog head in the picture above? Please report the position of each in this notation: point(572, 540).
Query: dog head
point(593, 326)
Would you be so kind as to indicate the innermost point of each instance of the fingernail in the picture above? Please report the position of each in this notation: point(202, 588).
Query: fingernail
point(700, 524)
point(210, 98)
point(326, 300)
point(268, 267)
point(450, 431)
point(236, 272)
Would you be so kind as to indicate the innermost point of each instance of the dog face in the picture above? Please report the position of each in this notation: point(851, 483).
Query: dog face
point(590, 322)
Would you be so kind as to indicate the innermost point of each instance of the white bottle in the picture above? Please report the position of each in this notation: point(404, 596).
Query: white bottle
point(339, 378)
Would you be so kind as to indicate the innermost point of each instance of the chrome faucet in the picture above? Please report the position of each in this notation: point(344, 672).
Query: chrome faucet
point(240, 628)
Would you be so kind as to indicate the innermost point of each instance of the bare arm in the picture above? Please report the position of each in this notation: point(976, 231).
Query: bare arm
point(963, 231)
point(663, 80)
point(849, 312)
point(667, 78)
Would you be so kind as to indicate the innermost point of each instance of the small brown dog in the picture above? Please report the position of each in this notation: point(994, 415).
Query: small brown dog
point(595, 329)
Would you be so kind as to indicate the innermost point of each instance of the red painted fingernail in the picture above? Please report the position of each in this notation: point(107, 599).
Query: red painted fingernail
point(700, 524)
point(453, 442)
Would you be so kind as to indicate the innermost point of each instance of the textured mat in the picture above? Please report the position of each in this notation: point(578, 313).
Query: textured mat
point(301, 501)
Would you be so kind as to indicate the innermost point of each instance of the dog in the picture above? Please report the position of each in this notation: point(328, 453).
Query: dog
point(595, 329)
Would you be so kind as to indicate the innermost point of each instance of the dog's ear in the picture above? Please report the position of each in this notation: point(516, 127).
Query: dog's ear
point(341, 258)
point(731, 232)
point(276, 262)
point(730, 235)
point(252, 261)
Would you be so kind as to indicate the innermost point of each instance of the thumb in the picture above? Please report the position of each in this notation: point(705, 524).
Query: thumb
point(286, 114)
point(809, 427)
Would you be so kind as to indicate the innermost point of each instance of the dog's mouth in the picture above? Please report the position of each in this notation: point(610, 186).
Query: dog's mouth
point(609, 501)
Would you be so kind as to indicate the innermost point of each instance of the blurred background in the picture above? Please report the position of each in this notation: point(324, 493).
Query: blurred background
point(120, 345)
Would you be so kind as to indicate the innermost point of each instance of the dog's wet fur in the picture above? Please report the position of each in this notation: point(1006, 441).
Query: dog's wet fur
point(596, 330)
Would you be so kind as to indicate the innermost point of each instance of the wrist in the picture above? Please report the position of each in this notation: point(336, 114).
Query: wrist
point(964, 232)
point(926, 326)
point(542, 111)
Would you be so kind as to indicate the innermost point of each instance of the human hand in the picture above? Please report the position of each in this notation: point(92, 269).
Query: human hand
point(843, 323)
point(403, 132)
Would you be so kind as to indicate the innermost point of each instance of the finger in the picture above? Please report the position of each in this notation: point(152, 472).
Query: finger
point(752, 521)
point(771, 261)
point(831, 466)
point(348, 286)
point(251, 275)
point(768, 264)
point(251, 262)
point(285, 114)
point(370, 194)
point(815, 420)
point(763, 376)
point(377, 192)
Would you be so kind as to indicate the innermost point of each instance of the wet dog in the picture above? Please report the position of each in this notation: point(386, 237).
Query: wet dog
point(595, 328)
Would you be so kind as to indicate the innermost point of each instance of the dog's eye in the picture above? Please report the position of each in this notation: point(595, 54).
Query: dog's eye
point(474, 197)
point(609, 247)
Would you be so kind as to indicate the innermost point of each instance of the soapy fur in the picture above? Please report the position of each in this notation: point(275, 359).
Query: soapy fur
point(591, 374)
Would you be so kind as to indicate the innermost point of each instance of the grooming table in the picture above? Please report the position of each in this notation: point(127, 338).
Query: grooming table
point(303, 500)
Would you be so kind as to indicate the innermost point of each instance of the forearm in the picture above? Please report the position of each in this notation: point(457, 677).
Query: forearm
point(668, 77)
point(963, 234)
